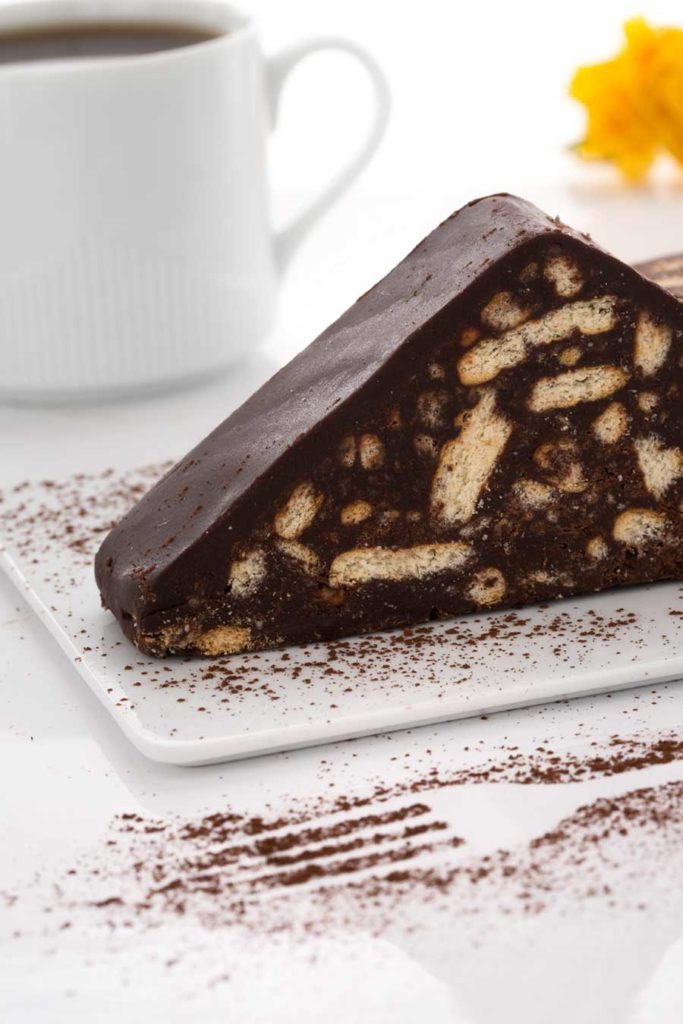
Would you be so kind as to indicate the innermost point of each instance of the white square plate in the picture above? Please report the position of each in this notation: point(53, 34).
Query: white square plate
point(194, 711)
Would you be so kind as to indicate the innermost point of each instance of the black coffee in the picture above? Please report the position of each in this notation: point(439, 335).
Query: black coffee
point(99, 39)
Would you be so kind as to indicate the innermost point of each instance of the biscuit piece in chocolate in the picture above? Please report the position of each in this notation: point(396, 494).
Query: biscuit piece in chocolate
point(496, 422)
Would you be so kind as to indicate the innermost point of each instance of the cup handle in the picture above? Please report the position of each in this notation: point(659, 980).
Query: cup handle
point(277, 70)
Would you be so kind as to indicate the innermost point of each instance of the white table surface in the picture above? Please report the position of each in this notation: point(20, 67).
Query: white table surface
point(67, 770)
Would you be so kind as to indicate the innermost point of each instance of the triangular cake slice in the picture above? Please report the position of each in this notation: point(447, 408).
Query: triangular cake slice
point(496, 422)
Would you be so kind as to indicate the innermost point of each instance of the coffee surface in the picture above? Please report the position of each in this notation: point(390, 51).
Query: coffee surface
point(102, 39)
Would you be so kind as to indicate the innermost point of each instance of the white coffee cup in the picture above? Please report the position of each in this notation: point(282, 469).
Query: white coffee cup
point(135, 243)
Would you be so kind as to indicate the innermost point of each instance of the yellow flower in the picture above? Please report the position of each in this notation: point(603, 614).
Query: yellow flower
point(635, 101)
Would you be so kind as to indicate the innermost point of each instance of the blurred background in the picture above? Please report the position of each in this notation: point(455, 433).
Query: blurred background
point(480, 104)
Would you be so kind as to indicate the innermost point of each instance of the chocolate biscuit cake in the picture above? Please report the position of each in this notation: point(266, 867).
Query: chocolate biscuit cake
point(496, 422)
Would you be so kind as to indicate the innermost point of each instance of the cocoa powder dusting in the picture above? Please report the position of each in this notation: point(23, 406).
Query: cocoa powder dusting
point(364, 856)
point(359, 858)
point(39, 522)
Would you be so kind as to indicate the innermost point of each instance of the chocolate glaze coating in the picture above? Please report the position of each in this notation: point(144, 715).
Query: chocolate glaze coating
point(164, 568)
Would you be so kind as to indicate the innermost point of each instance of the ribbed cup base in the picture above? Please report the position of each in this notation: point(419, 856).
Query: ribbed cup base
point(104, 320)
